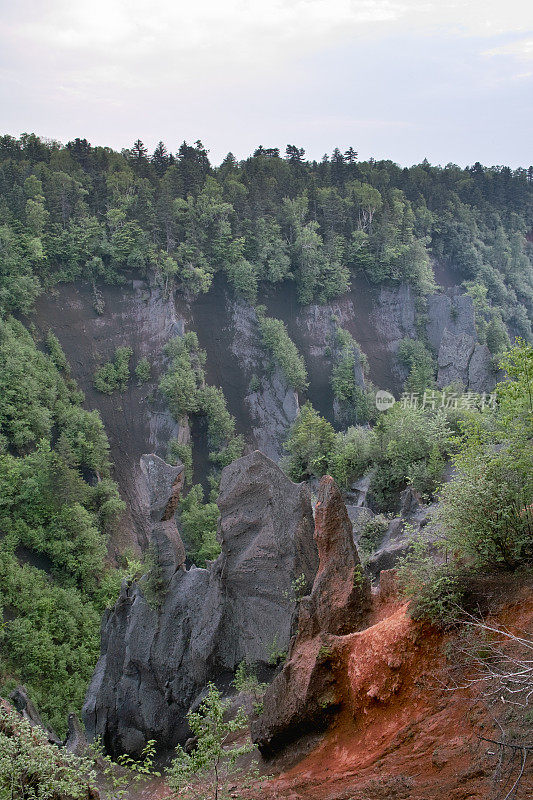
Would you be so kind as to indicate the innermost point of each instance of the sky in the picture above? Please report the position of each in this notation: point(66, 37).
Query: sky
point(447, 80)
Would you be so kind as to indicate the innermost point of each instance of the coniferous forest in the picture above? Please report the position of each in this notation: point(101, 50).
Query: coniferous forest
point(91, 215)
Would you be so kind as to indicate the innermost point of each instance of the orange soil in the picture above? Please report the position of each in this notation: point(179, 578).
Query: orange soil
point(400, 734)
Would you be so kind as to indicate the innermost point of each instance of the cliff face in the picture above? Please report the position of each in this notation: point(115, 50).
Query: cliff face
point(156, 658)
point(136, 421)
point(451, 331)
point(140, 316)
point(306, 693)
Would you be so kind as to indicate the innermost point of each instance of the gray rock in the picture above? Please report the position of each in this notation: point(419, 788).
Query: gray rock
point(27, 710)
point(400, 533)
point(451, 331)
point(156, 660)
point(266, 534)
point(455, 353)
point(167, 547)
point(273, 410)
point(452, 312)
point(161, 491)
point(76, 741)
point(395, 314)
point(304, 694)
point(481, 375)
point(163, 486)
point(274, 406)
point(149, 669)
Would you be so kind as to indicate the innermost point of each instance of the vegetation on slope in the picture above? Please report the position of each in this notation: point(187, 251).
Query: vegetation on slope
point(57, 507)
point(187, 393)
point(81, 212)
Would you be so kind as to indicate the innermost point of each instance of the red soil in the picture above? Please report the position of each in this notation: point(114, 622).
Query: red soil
point(401, 734)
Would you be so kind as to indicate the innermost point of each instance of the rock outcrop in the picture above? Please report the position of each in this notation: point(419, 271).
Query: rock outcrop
point(305, 693)
point(451, 331)
point(136, 315)
point(157, 657)
point(27, 711)
point(272, 404)
point(163, 485)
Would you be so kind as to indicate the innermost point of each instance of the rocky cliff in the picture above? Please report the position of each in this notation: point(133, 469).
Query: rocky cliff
point(305, 694)
point(451, 331)
point(157, 656)
point(140, 316)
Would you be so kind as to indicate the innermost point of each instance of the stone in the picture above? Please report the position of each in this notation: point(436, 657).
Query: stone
point(340, 598)
point(157, 658)
point(76, 741)
point(27, 710)
point(451, 311)
point(266, 535)
point(164, 483)
point(305, 694)
point(481, 374)
point(167, 547)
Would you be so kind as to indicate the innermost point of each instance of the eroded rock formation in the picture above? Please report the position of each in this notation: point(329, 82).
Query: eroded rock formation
point(163, 484)
point(305, 693)
point(452, 333)
point(156, 657)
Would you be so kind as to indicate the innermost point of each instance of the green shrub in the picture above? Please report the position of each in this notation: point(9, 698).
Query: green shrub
point(114, 375)
point(51, 517)
point(351, 455)
point(213, 761)
point(372, 530)
point(31, 767)
point(436, 590)
point(310, 444)
point(143, 371)
point(199, 522)
point(283, 350)
point(415, 356)
point(179, 451)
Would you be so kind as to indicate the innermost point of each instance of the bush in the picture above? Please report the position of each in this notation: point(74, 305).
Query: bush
point(283, 350)
point(199, 521)
point(31, 767)
point(405, 437)
point(179, 451)
point(143, 371)
point(310, 445)
point(213, 760)
point(415, 356)
point(114, 375)
point(56, 521)
point(371, 533)
point(351, 455)
point(436, 590)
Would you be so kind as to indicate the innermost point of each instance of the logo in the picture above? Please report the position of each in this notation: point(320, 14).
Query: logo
point(384, 400)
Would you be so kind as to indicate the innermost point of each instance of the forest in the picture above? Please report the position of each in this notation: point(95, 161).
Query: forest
point(79, 213)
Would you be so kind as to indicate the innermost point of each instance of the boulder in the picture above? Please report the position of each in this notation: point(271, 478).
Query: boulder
point(157, 657)
point(304, 695)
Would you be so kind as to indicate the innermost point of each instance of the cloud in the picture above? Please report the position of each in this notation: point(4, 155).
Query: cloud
point(521, 49)
point(404, 78)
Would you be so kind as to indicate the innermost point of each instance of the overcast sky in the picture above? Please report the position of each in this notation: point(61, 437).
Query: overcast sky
point(450, 80)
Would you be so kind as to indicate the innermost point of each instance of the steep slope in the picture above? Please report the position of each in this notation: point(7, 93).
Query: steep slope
point(140, 316)
point(401, 734)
